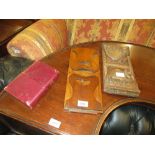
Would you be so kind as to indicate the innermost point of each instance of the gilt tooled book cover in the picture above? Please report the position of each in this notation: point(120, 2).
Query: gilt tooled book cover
point(30, 85)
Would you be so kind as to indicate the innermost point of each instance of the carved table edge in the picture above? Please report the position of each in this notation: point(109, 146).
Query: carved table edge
point(34, 124)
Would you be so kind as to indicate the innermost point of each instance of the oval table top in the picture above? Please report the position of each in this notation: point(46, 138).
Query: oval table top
point(51, 105)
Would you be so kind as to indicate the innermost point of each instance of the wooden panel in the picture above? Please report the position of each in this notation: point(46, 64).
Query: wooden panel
point(118, 71)
point(83, 89)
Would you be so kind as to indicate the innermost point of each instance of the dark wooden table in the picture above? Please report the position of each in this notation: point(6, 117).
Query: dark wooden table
point(51, 105)
point(9, 28)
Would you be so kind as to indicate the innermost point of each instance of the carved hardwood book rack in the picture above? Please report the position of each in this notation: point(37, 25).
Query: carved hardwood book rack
point(118, 75)
point(83, 88)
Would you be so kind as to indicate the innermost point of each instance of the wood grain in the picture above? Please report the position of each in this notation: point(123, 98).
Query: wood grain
point(83, 81)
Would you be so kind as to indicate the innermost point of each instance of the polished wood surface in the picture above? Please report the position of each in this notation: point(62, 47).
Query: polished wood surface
point(51, 105)
point(8, 29)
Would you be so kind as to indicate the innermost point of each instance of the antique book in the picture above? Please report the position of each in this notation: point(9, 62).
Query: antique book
point(118, 75)
point(30, 85)
point(83, 88)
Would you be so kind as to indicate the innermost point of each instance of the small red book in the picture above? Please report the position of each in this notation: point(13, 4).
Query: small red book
point(32, 83)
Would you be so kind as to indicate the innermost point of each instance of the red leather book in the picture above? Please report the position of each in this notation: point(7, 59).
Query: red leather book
point(30, 84)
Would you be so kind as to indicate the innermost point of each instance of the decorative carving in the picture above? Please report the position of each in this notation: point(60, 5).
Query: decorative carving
point(84, 79)
point(118, 73)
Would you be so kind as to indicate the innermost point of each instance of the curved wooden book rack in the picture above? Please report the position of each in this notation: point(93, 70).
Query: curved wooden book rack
point(83, 89)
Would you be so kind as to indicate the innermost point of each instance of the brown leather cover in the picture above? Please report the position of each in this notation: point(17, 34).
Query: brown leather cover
point(83, 89)
point(118, 76)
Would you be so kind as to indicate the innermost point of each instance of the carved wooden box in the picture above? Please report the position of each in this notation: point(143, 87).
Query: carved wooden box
point(118, 73)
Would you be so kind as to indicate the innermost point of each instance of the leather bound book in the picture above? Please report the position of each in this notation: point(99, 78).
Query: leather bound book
point(118, 73)
point(83, 88)
point(30, 85)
